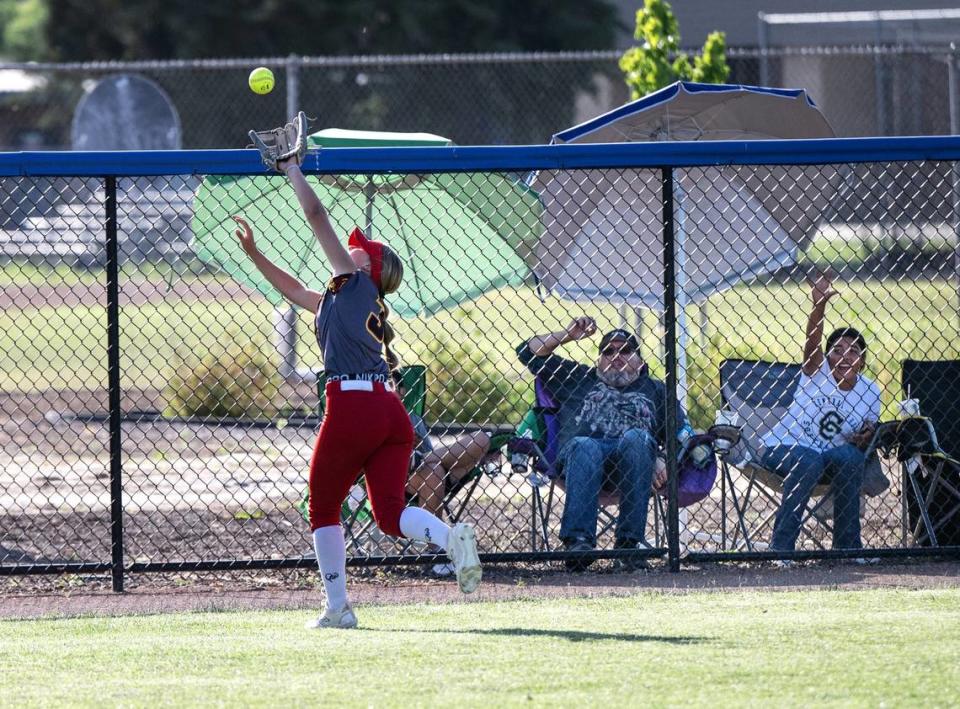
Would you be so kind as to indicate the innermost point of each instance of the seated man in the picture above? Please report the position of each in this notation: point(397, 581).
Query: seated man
point(436, 467)
point(611, 415)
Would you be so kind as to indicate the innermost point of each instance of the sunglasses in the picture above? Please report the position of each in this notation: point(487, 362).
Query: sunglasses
point(612, 351)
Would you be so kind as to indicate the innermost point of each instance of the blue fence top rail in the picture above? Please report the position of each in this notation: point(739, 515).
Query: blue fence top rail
point(487, 158)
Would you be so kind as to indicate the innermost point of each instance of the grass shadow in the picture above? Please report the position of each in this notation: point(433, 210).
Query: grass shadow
point(575, 636)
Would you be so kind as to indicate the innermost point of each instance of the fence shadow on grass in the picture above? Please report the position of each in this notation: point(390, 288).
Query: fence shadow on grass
point(571, 635)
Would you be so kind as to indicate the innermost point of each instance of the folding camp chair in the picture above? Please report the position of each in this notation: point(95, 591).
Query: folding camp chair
point(928, 449)
point(534, 450)
point(761, 394)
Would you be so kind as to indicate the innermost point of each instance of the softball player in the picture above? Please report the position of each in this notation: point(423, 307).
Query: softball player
point(365, 426)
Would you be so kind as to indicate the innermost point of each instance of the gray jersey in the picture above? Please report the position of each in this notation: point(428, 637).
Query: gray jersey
point(349, 326)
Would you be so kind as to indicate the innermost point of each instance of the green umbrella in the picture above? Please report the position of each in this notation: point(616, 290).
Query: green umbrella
point(457, 234)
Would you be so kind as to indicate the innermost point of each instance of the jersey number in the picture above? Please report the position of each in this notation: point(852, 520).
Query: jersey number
point(375, 321)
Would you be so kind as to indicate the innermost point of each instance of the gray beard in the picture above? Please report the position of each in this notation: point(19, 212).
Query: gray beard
point(617, 378)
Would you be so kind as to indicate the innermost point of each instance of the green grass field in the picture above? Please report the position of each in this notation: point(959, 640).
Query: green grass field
point(474, 373)
point(816, 648)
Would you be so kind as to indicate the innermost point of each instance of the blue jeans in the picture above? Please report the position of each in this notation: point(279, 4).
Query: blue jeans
point(584, 462)
point(802, 468)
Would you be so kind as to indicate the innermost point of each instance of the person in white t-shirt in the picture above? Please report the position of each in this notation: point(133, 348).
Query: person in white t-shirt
point(826, 430)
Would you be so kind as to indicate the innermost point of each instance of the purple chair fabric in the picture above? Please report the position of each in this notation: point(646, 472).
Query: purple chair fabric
point(695, 483)
point(548, 408)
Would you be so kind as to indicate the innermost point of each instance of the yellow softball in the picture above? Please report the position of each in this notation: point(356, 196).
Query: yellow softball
point(261, 80)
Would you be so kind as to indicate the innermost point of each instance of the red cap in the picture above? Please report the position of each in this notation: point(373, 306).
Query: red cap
point(374, 250)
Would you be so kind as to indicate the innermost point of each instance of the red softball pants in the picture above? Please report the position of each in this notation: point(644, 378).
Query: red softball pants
point(365, 432)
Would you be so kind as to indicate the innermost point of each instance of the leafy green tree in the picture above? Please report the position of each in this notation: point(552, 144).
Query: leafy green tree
point(22, 24)
point(658, 61)
point(471, 103)
point(88, 30)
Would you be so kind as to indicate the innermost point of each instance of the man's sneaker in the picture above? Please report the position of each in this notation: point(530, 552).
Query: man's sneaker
point(783, 563)
point(462, 550)
point(343, 618)
point(578, 544)
point(865, 561)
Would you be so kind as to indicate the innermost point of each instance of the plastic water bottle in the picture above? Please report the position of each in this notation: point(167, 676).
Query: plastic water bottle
point(519, 461)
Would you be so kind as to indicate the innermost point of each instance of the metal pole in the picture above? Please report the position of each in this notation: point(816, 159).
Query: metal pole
point(762, 41)
point(880, 81)
point(113, 386)
point(370, 192)
point(670, 349)
point(953, 91)
point(285, 317)
point(285, 339)
point(293, 84)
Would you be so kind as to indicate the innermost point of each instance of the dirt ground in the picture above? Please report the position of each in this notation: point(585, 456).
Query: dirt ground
point(67, 597)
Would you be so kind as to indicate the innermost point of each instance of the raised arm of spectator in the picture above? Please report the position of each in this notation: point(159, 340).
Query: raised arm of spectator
point(821, 291)
point(578, 329)
point(536, 354)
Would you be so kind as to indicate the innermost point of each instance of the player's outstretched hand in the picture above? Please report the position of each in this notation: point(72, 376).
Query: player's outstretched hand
point(245, 236)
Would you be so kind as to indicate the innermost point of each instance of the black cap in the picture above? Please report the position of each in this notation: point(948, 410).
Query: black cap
point(619, 335)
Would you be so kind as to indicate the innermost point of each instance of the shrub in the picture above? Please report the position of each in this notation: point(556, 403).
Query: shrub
point(471, 383)
point(237, 381)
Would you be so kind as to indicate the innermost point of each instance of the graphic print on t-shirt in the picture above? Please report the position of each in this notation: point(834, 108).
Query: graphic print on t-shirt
point(821, 415)
point(827, 423)
point(611, 412)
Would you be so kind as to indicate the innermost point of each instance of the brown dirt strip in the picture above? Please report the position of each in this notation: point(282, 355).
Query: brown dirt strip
point(410, 586)
point(132, 292)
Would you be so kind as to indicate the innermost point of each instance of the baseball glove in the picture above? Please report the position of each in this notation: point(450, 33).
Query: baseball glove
point(279, 144)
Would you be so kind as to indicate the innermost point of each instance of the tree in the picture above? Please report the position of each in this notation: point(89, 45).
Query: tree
point(91, 30)
point(22, 25)
point(484, 103)
point(658, 62)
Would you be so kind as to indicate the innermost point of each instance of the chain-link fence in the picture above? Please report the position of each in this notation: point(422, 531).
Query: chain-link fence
point(484, 99)
point(146, 425)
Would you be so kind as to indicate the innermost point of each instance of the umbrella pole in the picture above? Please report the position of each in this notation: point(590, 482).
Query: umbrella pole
point(953, 91)
point(704, 325)
point(370, 191)
point(681, 265)
point(285, 339)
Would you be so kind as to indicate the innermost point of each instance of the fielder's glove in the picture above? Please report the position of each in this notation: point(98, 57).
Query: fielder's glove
point(279, 144)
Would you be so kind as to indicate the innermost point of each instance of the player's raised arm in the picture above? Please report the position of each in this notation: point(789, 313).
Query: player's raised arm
point(317, 218)
point(283, 149)
point(290, 288)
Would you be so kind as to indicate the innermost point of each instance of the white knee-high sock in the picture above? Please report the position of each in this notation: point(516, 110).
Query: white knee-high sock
point(417, 523)
point(332, 559)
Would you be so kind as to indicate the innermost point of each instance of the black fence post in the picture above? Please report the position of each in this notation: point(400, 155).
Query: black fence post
point(113, 378)
point(670, 353)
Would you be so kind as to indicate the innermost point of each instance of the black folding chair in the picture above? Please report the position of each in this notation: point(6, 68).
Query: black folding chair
point(761, 394)
point(929, 448)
